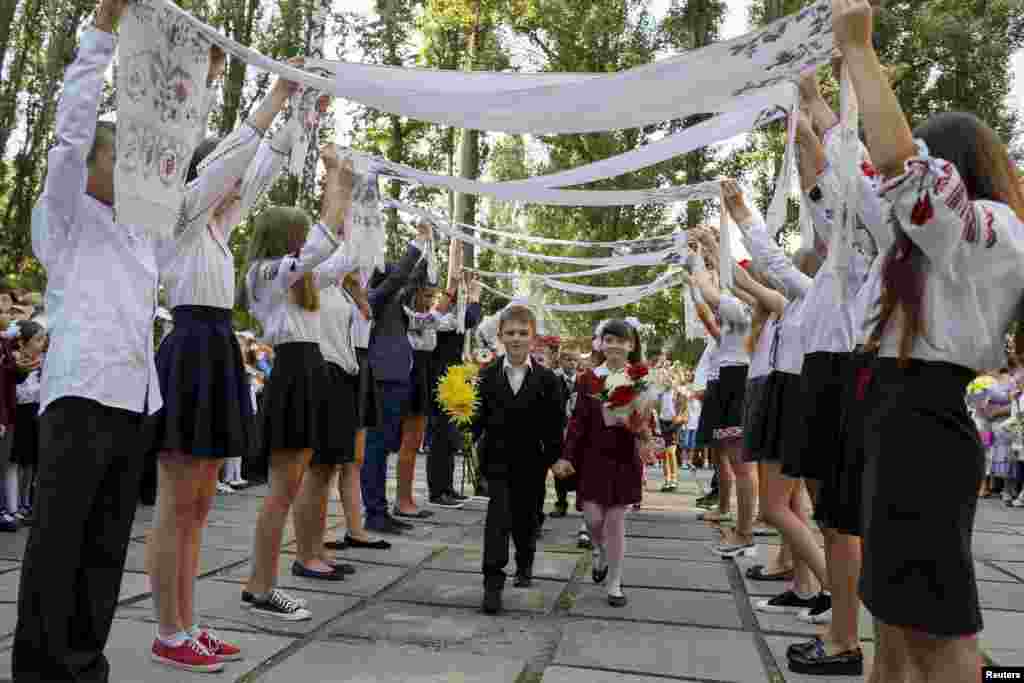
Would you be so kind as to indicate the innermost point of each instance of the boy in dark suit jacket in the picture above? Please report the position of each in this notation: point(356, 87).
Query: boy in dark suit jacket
point(521, 419)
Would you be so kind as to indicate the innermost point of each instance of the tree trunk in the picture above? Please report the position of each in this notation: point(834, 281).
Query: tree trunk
point(239, 27)
point(8, 8)
point(469, 167)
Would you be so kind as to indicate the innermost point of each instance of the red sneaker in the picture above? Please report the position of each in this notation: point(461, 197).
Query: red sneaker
point(227, 652)
point(190, 656)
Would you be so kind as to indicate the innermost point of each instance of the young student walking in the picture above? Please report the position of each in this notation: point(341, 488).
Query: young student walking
point(608, 460)
point(520, 422)
point(98, 384)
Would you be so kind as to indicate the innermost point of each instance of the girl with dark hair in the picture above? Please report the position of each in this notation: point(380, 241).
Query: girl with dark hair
point(608, 459)
point(951, 285)
point(207, 402)
point(283, 293)
point(21, 469)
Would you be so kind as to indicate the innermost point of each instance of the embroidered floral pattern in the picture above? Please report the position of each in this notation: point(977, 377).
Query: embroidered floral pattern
point(723, 433)
point(990, 232)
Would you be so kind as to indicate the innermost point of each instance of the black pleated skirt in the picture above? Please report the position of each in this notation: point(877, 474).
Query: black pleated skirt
point(822, 390)
point(840, 496)
point(773, 421)
point(420, 401)
point(732, 387)
point(337, 421)
point(918, 567)
point(25, 445)
point(292, 398)
point(708, 415)
point(368, 407)
point(207, 405)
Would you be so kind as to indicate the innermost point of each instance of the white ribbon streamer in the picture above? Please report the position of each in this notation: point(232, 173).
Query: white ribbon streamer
point(705, 80)
point(666, 282)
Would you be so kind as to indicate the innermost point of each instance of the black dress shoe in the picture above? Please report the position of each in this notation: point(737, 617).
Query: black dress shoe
point(300, 570)
point(818, 663)
point(458, 496)
point(617, 600)
point(372, 545)
point(419, 514)
point(523, 581)
point(343, 568)
point(400, 524)
point(492, 602)
point(385, 525)
point(802, 647)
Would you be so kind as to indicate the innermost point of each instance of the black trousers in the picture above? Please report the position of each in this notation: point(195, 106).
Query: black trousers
point(511, 511)
point(562, 488)
point(90, 464)
point(445, 442)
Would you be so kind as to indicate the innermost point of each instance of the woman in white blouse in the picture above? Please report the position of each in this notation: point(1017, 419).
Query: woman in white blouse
point(952, 282)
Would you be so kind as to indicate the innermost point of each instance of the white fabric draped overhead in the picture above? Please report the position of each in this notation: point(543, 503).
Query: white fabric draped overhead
point(710, 79)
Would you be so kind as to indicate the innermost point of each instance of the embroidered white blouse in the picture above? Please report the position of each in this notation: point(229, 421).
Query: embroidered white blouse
point(269, 284)
point(337, 310)
point(974, 270)
point(735, 317)
point(196, 265)
point(28, 390)
point(101, 275)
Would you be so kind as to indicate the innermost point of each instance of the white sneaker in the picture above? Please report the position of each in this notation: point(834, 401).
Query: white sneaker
point(1019, 503)
point(224, 488)
point(238, 483)
point(1007, 496)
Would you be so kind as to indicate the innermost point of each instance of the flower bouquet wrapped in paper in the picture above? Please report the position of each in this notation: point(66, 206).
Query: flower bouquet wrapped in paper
point(627, 398)
point(978, 390)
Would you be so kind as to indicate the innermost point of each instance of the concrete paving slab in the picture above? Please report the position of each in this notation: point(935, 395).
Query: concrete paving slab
point(8, 619)
point(659, 605)
point(998, 547)
point(404, 552)
point(429, 532)
point(656, 649)
point(12, 546)
point(368, 579)
point(693, 531)
point(515, 635)
point(1015, 568)
point(1002, 629)
point(567, 674)
point(219, 606)
point(1002, 596)
point(646, 572)
point(983, 572)
point(1002, 657)
point(388, 663)
point(464, 516)
point(670, 549)
point(460, 589)
point(130, 662)
point(789, 624)
point(469, 558)
point(210, 559)
point(778, 647)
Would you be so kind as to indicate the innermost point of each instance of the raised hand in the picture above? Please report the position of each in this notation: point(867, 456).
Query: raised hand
point(109, 13)
point(735, 203)
point(218, 62)
point(852, 24)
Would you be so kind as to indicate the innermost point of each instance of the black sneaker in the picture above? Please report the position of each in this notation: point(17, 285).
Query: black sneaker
point(280, 605)
point(248, 599)
point(821, 613)
point(787, 603)
point(492, 602)
point(445, 500)
point(8, 523)
point(458, 496)
point(817, 663)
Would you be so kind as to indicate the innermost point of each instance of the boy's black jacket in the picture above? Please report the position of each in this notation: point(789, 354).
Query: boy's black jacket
point(522, 433)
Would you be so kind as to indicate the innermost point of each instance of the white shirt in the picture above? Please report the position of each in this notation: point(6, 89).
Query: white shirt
point(667, 410)
point(693, 409)
point(28, 390)
point(517, 373)
point(197, 267)
point(702, 374)
point(422, 329)
point(101, 275)
point(269, 284)
point(735, 326)
point(973, 267)
point(361, 328)
point(336, 312)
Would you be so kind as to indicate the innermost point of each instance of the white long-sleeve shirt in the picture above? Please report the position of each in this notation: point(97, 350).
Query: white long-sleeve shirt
point(197, 267)
point(974, 265)
point(101, 294)
point(269, 284)
point(735, 317)
point(336, 312)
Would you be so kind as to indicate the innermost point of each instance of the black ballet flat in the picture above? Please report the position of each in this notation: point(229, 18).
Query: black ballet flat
point(371, 545)
point(298, 569)
point(617, 600)
point(599, 576)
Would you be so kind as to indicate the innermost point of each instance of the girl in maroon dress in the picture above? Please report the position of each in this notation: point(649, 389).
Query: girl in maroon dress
point(608, 459)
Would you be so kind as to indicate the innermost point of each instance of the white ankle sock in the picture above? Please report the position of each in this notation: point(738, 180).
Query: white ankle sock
point(615, 587)
point(174, 640)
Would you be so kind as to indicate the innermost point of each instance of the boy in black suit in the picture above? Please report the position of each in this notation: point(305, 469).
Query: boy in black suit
point(521, 419)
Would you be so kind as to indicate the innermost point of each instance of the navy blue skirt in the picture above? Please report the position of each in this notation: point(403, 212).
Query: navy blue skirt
point(207, 406)
point(338, 417)
point(292, 399)
point(368, 406)
point(708, 415)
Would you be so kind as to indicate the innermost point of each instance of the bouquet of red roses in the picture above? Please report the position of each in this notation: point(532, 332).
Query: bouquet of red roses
point(626, 397)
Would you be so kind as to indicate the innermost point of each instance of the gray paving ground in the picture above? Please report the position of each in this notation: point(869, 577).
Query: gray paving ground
point(410, 614)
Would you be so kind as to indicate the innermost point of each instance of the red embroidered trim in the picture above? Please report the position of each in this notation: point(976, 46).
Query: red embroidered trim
point(990, 232)
point(721, 433)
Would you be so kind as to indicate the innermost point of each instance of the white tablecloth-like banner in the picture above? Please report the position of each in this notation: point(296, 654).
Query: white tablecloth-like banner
point(667, 281)
point(161, 105)
point(556, 276)
point(705, 80)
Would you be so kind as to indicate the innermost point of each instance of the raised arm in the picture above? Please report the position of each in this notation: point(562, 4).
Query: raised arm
point(335, 208)
point(68, 160)
point(396, 279)
point(769, 298)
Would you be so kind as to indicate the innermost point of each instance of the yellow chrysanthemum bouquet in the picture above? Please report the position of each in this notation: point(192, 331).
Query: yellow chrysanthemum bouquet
point(457, 394)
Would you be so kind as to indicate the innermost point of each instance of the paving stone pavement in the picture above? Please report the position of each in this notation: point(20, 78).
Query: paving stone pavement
point(410, 614)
